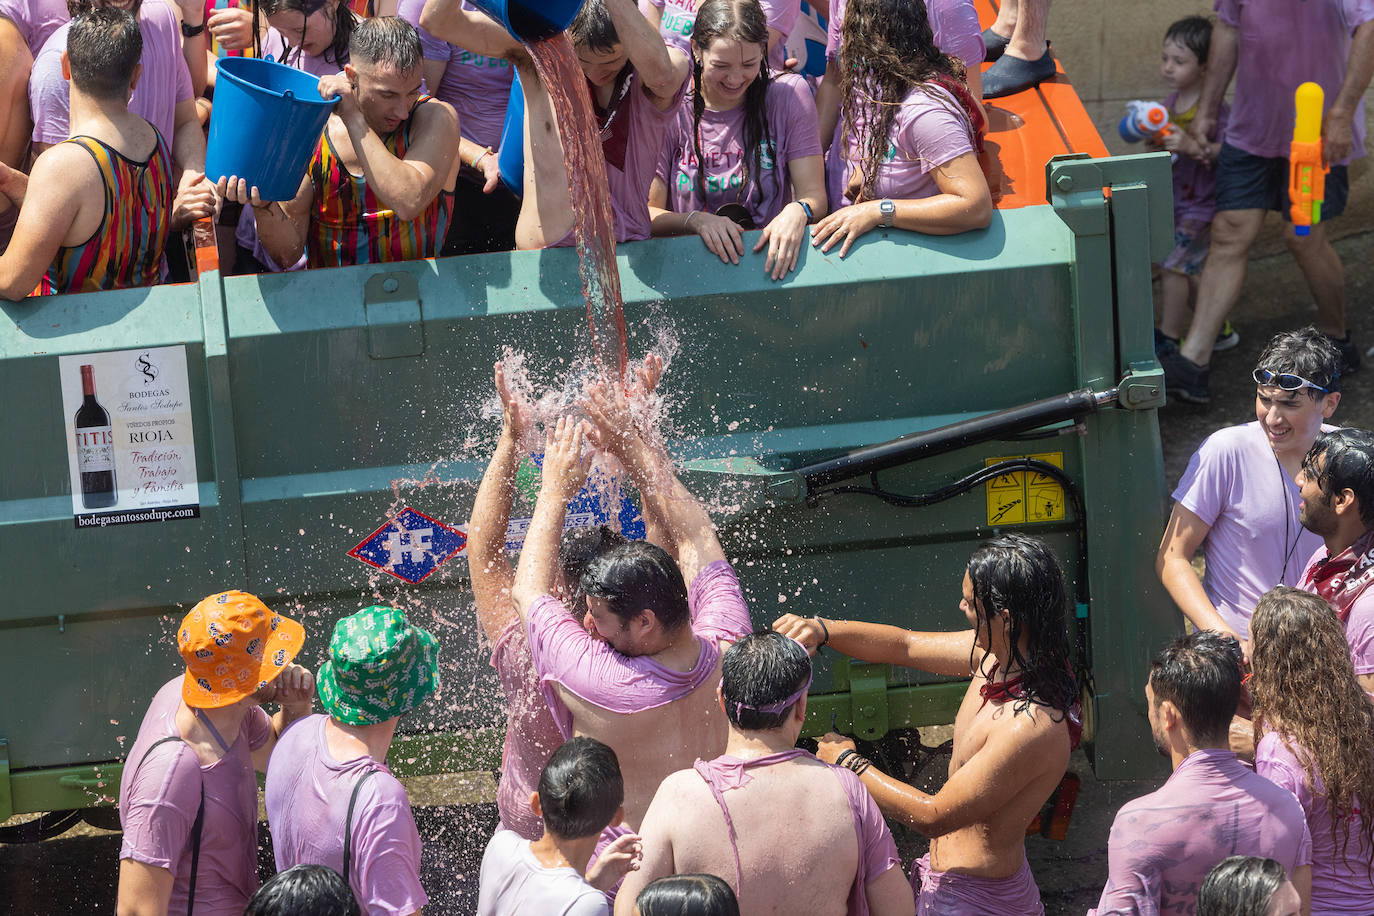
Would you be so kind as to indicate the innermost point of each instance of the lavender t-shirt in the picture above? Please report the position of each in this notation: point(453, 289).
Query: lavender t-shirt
point(565, 654)
point(954, 22)
point(165, 80)
point(1234, 484)
point(477, 87)
point(307, 799)
point(1283, 44)
point(631, 174)
point(1359, 626)
point(36, 20)
point(513, 883)
point(159, 795)
point(680, 17)
point(931, 129)
point(531, 734)
point(793, 132)
point(1340, 884)
point(1195, 183)
point(1163, 844)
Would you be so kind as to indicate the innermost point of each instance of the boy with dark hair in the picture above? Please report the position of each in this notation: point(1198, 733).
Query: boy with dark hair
point(724, 816)
point(1162, 845)
point(304, 890)
point(1238, 499)
point(580, 794)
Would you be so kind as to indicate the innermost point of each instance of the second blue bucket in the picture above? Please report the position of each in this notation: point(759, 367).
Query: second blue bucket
point(265, 125)
point(531, 20)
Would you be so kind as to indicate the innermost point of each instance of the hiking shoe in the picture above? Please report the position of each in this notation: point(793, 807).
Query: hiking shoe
point(1350, 352)
point(1012, 74)
point(1183, 378)
point(1227, 339)
point(995, 44)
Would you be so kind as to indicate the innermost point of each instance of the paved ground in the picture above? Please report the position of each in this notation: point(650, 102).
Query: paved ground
point(76, 874)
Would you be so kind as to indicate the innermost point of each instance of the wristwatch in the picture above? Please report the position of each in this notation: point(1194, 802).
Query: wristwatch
point(191, 31)
point(888, 210)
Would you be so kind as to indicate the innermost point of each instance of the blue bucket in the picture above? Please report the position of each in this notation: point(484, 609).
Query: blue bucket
point(511, 159)
point(528, 23)
point(265, 125)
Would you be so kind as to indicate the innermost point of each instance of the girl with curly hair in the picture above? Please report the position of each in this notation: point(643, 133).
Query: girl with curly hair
point(905, 152)
point(755, 133)
point(1314, 732)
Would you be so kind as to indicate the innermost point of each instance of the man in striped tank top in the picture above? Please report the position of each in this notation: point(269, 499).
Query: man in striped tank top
point(95, 212)
point(380, 185)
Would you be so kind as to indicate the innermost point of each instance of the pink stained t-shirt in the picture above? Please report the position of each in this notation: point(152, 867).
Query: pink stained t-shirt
point(36, 20)
point(793, 133)
point(680, 17)
point(1163, 844)
point(1359, 626)
point(531, 734)
point(307, 799)
point(477, 87)
point(1340, 885)
point(632, 158)
point(930, 130)
point(954, 22)
point(1235, 485)
point(565, 654)
point(159, 794)
point(165, 80)
point(1283, 44)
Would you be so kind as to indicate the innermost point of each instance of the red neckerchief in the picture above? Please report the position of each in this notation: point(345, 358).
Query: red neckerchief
point(615, 132)
point(959, 89)
point(1342, 579)
point(1013, 688)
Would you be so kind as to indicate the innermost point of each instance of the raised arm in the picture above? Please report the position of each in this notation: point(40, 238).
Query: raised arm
point(662, 70)
point(938, 653)
point(491, 572)
point(293, 690)
point(468, 29)
point(565, 470)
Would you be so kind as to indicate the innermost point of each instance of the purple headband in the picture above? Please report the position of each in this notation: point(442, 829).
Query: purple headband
point(775, 708)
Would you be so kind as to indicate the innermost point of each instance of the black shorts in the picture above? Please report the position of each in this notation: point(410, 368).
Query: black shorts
point(1248, 182)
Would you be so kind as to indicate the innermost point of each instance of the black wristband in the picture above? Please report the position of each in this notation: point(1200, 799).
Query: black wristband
point(845, 755)
point(860, 764)
point(806, 208)
point(825, 630)
point(191, 31)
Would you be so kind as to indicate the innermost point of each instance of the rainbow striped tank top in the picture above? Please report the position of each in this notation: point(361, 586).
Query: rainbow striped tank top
point(126, 250)
point(349, 225)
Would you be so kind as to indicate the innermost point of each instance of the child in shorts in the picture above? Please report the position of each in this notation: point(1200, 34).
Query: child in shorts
point(1183, 68)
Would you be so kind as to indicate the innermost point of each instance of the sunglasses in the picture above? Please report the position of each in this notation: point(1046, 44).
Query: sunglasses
point(1286, 381)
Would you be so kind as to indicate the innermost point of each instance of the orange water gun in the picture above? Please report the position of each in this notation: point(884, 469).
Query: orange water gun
point(1306, 173)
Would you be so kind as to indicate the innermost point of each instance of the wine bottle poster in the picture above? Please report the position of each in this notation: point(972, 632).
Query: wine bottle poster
point(130, 448)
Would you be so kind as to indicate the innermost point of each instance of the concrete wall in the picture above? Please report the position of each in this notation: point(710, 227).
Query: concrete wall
point(1110, 50)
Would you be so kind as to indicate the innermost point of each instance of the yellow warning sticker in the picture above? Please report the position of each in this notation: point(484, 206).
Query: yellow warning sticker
point(1019, 497)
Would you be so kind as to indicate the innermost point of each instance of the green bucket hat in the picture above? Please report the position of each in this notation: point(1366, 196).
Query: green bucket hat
point(379, 667)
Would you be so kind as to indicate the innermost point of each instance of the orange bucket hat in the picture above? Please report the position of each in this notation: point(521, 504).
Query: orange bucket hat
point(233, 646)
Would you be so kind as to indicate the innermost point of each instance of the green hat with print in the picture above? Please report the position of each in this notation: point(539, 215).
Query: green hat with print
point(379, 667)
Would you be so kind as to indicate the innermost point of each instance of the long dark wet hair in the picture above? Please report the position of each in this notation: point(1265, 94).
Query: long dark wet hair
point(887, 49)
point(344, 23)
point(1020, 574)
point(743, 21)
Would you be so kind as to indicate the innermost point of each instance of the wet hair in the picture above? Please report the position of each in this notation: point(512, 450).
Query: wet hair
point(580, 789)
point(304, 890)
point(1200, 674)
point(887, 49)
point(1346, 458)
point(687, 895)
point(1194, 33)
point(344, 25)
point(760, 670)
point(743, 21)
point(1240, 886)
point(1306, 352)
point(575, 551)
point(388, 40)
point(1305, 690)
point(638, 575)
point(77, 7)
point(593, 28)
point(1021, 574)
point(104, 47)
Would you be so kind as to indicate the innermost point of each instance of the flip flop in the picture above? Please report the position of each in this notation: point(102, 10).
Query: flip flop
point(994, 43)
point(1012, 74)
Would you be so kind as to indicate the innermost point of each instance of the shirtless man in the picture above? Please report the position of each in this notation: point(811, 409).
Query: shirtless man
point(639, 673)
point(724, 816)
point(1012, 736)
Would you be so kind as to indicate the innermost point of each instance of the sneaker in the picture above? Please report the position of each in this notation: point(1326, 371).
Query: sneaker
point(1163, 342)
point(1227, 339)
point(1183, 378)
point(1350, 352)
point(994, 44)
